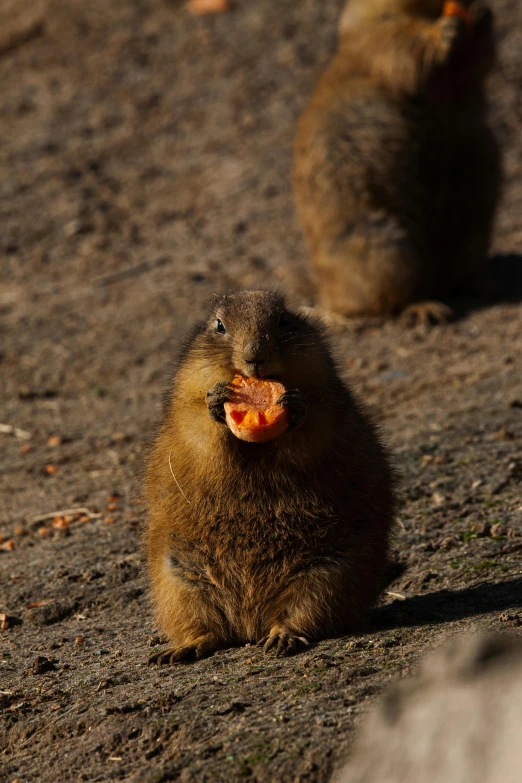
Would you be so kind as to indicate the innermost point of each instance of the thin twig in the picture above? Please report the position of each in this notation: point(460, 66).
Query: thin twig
point(16, 431)
point(399, 596)
point(177, 482)
point(66, 512)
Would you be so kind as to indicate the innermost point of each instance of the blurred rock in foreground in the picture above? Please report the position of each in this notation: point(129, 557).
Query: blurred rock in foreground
point(458, 721)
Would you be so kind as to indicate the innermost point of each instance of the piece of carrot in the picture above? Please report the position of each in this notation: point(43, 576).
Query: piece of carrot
point(452, 8)
point(253, 413)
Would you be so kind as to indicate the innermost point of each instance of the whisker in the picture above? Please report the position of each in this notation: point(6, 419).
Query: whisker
point(177, 482)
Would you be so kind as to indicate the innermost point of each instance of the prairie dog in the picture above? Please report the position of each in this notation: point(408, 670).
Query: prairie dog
point(397, 174)
point(277, 543)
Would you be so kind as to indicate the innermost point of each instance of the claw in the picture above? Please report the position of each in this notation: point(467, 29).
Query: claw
point(216, 398)
point(453, 31)
point(201, 648)
point(297, 405)
point(285, 643)
point(426, 314)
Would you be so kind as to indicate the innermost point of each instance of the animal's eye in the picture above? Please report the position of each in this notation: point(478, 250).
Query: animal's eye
point(220, 329)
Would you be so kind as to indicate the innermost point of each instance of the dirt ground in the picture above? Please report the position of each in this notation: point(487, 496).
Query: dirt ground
point(145, 163)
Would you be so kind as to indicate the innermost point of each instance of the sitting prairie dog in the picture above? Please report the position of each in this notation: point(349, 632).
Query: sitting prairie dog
point(457, 721)
point(278, 543)
point(396, 173)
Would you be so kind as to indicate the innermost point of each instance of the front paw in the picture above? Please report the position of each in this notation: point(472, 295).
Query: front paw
point(453, 32)
point(481, 20)
point(297, 406)
point(216, 398)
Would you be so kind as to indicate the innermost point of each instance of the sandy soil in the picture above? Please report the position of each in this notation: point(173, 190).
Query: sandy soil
point(145, 163)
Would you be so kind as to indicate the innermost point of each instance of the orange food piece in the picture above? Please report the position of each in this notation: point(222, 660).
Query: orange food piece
point(61, 522)
point(54, 440)
point(452, 8)
point(253, 413)
point(202, 7)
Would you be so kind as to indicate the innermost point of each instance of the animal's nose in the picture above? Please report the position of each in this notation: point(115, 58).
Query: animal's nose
point(255, 352)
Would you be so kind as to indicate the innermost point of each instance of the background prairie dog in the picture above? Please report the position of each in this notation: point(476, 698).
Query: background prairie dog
point(397, 174)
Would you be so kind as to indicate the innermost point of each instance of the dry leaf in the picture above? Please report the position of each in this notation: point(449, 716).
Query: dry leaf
point(44, 531)
point(8, 546)
point(50, 469)
point(109, 520)
point(201, 7)
point(25, 449)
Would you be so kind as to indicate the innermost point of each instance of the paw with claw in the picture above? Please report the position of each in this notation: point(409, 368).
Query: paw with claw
point(426, 314)
point(216, 398)
point(283, 642)
point(297, 406)
point(201, 647)
point(453, 32)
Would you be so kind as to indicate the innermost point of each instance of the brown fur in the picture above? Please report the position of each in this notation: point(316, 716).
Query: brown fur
point(284, 541)
point(397, 174)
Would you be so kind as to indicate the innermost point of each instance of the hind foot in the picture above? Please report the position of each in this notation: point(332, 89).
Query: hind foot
point(199, 648)
point(284, 642)
point(426, 314)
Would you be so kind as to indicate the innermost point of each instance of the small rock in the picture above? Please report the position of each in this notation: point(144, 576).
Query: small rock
point(155, 640)
point(503, 435)
point(448, 542)
point(510, 617)
point(41, 664)
point(438, 499)
point(388, 642)
point(481, 529)
point(497, 530)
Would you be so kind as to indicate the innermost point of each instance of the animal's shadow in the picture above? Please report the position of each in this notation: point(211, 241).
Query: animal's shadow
point(446, 606)
point(506, 276)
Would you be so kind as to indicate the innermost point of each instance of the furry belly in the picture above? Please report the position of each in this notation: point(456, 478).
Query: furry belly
point(246, 594)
